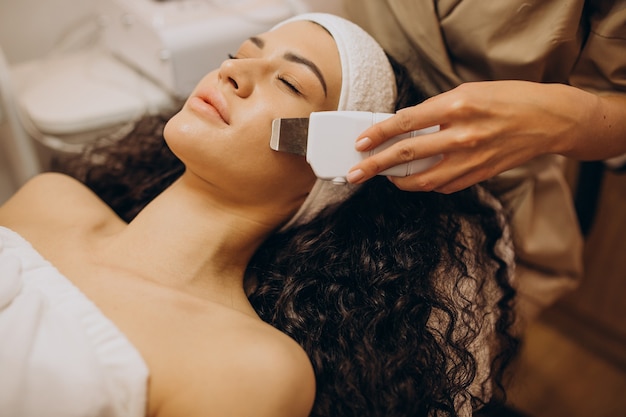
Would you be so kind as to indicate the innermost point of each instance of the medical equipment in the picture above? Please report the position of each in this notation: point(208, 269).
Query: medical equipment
point(175, 43)
point(327, 139)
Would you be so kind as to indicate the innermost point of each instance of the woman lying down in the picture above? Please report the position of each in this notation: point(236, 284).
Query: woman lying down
point(228, 281)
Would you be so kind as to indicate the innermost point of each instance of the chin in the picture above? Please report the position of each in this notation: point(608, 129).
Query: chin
point(182, 123)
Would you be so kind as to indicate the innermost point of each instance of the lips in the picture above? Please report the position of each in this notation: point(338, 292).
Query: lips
point(210, 103)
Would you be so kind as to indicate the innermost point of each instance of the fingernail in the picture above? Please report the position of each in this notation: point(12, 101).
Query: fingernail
point(363, 144)
point(356, 175)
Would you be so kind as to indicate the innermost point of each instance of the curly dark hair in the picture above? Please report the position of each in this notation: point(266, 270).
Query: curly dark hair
point(358, 288)
point(390, 293)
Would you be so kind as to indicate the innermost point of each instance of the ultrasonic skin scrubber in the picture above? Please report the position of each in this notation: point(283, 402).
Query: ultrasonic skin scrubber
point(327, 140)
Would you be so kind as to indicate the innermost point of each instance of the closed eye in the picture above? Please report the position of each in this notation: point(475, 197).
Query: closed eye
point(289, 85)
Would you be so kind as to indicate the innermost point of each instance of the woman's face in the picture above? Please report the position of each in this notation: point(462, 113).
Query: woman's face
point(222, 133)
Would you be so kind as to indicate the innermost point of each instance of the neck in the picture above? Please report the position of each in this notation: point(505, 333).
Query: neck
point(190, 239)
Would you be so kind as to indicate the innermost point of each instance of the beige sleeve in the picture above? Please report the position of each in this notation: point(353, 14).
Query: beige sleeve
point(601, 66)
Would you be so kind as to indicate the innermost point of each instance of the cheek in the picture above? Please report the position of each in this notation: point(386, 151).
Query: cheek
point(284, 176)
point(265, 172)
point(269, 170)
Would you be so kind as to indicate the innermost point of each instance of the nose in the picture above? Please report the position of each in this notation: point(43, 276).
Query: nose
point(239, 75)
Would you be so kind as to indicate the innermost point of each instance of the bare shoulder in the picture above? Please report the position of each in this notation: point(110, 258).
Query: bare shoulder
point(281, 376)
point(52, 196)
point(272, 375)
point(257, 371)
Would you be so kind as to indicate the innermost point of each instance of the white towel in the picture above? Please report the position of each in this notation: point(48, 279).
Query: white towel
point(368, 84)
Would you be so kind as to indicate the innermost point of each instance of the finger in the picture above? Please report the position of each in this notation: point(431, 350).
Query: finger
point(404, 151)
point(415, 182)
point(406, 120)
point(460, 183)
point(474, 174)
point(436, 176)
point(455, 172)
point(445, 184)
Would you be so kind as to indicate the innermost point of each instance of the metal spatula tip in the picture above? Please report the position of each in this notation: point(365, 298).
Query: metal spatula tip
point(290, 135)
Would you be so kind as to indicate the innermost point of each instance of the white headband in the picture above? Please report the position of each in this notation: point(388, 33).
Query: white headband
point(368, 83)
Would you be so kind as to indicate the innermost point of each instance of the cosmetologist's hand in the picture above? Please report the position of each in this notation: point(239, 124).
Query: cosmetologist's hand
point(485, 128)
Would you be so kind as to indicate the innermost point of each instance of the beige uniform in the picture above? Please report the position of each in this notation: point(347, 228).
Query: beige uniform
point(445, 43)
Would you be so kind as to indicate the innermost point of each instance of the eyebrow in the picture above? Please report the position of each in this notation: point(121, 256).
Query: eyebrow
point(289, 56)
